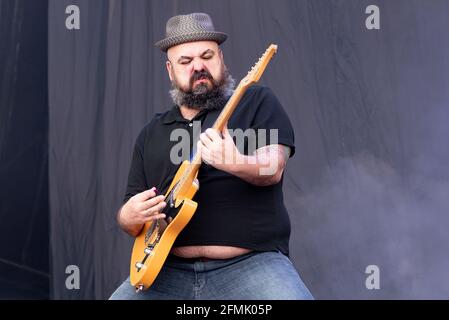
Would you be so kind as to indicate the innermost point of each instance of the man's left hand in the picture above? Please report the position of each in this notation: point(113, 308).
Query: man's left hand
point(218, 149)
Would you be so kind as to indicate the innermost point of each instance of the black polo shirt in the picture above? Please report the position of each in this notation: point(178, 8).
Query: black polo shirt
point(230, 211)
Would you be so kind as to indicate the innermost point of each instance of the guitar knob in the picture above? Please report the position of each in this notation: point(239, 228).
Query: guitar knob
point(139, 265)
point(148, 250)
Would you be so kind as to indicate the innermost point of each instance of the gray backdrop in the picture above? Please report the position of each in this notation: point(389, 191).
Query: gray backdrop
point(368, 184)
point(24, 217)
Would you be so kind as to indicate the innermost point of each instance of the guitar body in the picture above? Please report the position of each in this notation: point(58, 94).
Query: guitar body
point(156, 239)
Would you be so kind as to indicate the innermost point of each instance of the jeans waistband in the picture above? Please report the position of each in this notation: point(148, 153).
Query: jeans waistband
point(173, 257)
point(205, 264)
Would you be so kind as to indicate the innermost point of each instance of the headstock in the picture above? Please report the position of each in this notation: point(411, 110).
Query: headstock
point(257, 70)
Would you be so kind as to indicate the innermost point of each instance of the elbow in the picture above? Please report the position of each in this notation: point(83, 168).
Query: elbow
point(275, 174)
point(275, 179)
point(271, 179)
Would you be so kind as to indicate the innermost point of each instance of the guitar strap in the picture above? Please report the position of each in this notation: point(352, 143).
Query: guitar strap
point(212, 116)
point(207, 123)
point(210, 119)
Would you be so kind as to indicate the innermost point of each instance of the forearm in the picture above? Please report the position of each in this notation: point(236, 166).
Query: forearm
point(264, 168)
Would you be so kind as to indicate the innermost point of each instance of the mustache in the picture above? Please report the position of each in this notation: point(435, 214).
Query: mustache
point(203, 74)
point(214, 98)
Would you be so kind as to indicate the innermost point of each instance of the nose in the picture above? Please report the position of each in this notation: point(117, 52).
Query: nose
point(198, 65)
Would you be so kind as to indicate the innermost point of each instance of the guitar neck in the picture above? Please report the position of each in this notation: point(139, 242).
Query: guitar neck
point(227, 111)
point(222, 120)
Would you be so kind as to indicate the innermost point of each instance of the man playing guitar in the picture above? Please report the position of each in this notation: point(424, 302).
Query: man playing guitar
point(236, 246)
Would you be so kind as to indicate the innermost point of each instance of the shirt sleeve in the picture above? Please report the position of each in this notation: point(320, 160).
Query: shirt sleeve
point(271, 116)
point(136, 178)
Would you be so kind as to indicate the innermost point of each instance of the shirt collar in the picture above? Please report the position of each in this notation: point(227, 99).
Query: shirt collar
point(175, 115)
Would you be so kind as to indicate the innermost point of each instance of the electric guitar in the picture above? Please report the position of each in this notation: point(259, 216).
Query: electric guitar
point(156, 239)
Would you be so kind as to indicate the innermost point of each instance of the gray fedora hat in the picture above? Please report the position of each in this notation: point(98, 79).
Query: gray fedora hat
point(188, 28)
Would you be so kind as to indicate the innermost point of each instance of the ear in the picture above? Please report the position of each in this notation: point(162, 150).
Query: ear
point(168, 65)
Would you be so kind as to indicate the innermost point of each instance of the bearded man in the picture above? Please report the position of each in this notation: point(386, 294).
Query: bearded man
point(237, 244)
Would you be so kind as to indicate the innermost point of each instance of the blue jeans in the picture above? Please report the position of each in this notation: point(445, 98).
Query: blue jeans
point(252, 276)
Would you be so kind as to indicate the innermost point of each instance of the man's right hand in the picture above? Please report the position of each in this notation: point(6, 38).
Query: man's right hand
point(139, 209)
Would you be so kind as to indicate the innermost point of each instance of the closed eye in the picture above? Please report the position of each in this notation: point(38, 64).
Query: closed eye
point(207, 56)
point(185, 61)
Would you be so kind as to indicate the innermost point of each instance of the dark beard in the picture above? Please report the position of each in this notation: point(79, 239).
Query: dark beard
point(202, 98)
